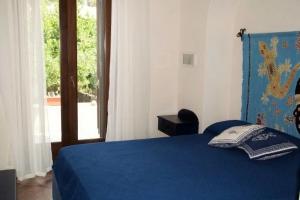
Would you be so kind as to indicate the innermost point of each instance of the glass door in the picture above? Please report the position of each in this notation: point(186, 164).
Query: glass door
point(50, 14)
point(87, 73)
point(77, 51)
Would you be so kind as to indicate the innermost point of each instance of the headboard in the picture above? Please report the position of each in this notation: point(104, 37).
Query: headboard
point(271, 80)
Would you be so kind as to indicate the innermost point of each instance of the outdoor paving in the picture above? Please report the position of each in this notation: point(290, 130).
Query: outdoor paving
point(87, 121)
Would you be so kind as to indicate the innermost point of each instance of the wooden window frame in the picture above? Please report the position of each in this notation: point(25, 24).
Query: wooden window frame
point(107, 49)
point(68, 63)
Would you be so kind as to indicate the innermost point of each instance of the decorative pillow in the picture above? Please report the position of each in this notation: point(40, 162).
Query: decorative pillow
point(234, 136)
point(267, 145)
point(216, 128)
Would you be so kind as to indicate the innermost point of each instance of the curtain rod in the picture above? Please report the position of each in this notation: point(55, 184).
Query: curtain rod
point(241, 33)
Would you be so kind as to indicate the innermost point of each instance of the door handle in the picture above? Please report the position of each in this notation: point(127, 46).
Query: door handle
point(72, 81)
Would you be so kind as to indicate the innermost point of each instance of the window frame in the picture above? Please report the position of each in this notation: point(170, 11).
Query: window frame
point(68, 70)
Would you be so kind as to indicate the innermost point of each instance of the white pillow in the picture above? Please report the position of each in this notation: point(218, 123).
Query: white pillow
point(235, 135)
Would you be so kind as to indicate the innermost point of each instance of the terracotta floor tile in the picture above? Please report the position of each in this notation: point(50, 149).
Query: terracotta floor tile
point(38, 188)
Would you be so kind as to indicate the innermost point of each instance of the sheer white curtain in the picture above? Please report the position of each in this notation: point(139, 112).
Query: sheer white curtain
point(24, 143)
point(128, 104)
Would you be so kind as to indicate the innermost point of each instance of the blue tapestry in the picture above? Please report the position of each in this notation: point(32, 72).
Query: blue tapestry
point(271, 80)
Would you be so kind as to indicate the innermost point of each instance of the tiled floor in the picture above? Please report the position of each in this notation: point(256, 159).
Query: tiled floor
point(39, 188)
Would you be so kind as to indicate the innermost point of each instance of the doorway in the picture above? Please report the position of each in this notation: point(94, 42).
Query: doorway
point(77, 52)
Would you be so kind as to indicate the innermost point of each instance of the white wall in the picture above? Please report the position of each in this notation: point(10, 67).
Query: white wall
point(164, 50)
point(192, 40)
point(220, 35)
point(206, 28)
point(213, 87)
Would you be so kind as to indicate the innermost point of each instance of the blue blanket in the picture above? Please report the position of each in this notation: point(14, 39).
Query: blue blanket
point(176, 168)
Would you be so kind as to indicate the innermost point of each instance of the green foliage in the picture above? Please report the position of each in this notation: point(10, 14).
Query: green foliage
point(87, 54)
point(51, 44)
point(86, 49)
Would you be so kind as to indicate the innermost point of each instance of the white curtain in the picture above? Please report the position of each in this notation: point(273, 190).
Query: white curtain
point(24, 143)
point(128, 106)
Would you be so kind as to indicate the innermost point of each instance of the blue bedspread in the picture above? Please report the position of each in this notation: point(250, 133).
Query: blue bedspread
point(176, 168)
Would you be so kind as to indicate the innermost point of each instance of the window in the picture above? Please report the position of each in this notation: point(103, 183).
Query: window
point(50, 12)
point(87, 71)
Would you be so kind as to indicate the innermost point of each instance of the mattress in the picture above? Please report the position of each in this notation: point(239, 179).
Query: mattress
point(174, 168)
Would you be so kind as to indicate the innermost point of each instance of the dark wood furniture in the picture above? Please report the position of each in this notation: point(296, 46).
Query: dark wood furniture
point(8, 184)
point(186, 122)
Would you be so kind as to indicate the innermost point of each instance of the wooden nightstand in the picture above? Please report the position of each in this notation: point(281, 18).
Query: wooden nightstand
point(185, 123)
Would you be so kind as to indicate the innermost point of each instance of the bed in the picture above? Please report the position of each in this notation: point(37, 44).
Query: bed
point(175, 168)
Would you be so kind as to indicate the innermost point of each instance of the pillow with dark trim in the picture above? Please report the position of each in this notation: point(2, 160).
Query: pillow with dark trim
point(216, 128)
point(267, 145)
point(236, 135)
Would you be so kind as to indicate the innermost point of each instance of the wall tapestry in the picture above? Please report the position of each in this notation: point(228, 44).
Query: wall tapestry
point(271, 80)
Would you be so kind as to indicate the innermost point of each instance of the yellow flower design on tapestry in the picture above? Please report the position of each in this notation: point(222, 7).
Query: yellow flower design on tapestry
point(274, 71)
